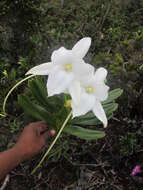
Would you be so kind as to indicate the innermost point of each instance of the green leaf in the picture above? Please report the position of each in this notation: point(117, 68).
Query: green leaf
point(12, 75)
point(110, 108)
point(113, 95)
point(51, 104)
point(35, 111)
point(38, 90)
point(92, 121)
point(86, 134)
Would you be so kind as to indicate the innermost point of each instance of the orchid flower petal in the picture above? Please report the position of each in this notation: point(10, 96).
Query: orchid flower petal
point(99, 112)
point(100, 74)
point(58, 82)
point(62, 56)
point(83, 70)
point(86, 104)
point(81, 47)
point(75, 91)
point(43, 69)
point(101, 91)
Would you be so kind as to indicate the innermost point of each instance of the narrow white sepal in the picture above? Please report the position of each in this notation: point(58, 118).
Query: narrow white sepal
point(43, 69)
point(99, 113)
point(81, 48)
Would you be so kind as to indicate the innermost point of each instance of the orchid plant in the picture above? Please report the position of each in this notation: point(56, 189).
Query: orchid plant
point(68, 73)
point(74, 88)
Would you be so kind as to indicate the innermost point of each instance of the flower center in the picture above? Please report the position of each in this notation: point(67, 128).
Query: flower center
point(68, 67)
point(89, 89)
point(68, 104)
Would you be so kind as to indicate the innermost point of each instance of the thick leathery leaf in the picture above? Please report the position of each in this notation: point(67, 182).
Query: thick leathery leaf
point(39, 92)
point(113, 95)
point(33, 110)
point(86, 134)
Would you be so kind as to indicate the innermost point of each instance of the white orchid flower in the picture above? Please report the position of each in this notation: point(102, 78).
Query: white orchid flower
point(64, 69)
point(93, 92)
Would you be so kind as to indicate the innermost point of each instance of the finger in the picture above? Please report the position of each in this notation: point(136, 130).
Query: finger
point(48, 134)
point(37, 123)
point(41, 126)
point(43, 131)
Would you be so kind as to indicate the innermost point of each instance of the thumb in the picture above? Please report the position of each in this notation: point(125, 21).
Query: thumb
point(48, 134)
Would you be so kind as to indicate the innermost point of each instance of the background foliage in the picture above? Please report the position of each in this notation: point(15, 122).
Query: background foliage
point(29, 32)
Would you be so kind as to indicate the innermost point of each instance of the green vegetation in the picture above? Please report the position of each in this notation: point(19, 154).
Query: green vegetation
point(29, 32)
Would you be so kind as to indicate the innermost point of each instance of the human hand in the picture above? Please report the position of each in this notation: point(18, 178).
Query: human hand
point(32, 139)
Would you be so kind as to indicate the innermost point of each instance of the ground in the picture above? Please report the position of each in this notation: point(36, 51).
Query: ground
point(33, 31)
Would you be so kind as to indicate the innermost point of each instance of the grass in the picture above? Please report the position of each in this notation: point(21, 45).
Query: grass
point(33, 31)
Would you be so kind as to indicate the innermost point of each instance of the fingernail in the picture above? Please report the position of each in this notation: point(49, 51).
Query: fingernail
point(52, 132)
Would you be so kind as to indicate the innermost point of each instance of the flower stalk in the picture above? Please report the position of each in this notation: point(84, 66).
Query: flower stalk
point(11, 90)
point(53, 143)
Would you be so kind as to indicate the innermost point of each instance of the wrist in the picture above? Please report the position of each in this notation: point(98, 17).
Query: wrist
point(19, 155)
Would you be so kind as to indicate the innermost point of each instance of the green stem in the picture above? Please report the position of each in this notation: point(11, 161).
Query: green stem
point(51, 146)
point(11, 90)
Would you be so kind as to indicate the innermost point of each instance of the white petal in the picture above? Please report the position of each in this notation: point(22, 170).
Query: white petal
point(82, 69)
point(100, 74)
point(86, 104)
point(101, 91)
point(74, 91)
point(81, 47)
point(62, 56)
point(58, 82)
point(43, 69)
point(99, 112)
